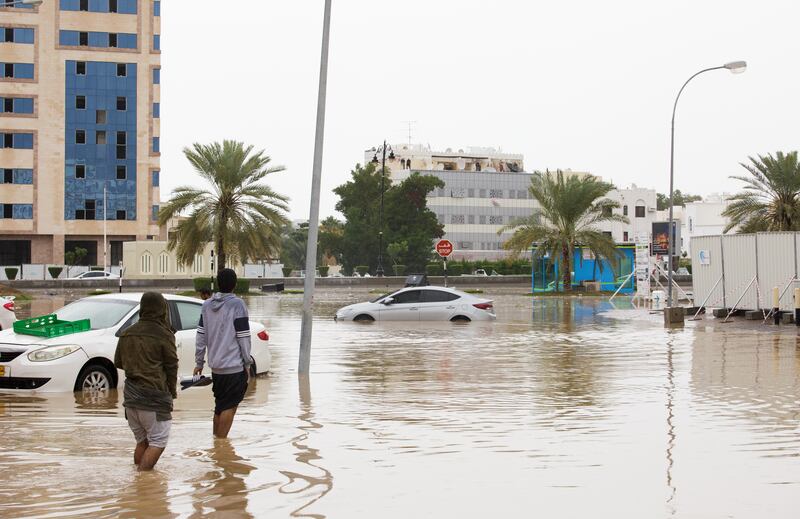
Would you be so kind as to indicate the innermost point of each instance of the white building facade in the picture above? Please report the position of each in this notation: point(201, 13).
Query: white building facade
point(639, 206)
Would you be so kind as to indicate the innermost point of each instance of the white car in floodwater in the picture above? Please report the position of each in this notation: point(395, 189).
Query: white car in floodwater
point(85, 360)
point(429, 303)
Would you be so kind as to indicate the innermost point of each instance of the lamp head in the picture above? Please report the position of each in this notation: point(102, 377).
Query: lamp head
point(375, 159)
point(391, 155)
point(736, 67)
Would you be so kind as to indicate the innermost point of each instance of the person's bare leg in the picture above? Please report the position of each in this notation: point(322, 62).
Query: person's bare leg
point(150, 458)
point(216, 423)
point(224, 422)
point(139, 452)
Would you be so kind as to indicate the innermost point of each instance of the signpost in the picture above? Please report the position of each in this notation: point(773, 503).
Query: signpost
point(444, 248)
point(642, 263)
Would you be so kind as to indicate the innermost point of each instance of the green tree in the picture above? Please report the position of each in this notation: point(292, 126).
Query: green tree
point(570, 207)
point(662, 200)
point(294, 241)
point(74, 257)
point(241, 216)
point(359, 200)
point(406, 218)
point(331, 232)
point(771, 197)
point(409, 221)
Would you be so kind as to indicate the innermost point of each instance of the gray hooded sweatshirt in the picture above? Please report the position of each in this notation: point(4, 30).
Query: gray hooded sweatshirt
point(224, 330)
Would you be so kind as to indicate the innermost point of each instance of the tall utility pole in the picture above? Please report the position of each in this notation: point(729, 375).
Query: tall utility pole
point(313, 220)
point(105, 229)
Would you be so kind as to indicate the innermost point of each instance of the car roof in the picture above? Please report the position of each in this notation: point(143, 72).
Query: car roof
point(137, 296)
point(435, 287)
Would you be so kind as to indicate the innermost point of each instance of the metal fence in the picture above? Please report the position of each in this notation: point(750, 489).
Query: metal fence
point(740, 270)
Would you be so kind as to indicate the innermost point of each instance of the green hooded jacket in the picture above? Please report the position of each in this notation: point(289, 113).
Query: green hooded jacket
point(146, 351)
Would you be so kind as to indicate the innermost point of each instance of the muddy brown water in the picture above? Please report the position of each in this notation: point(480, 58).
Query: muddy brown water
point(561, 408)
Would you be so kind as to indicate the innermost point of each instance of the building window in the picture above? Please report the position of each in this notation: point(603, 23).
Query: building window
point(163, 263)
point(495, 220)
point(470, 193)
point(146, 262)
point(122, 70)
point(112, 6)
point(522, 194)
point(22, 35)
point(157, 110)
point(156, 42)
point(8, 211)
point(112, 40)
point(495, 193)
point(18, 211)
point(691, 224)
point(481, 193)
point(607, 233)
point(17, 105)
point(156, 144)
point(84, 5)
point(482, 219)
point(90, 209)
point(456, 218)
point(122, 214)
point(18, 70)
point(100, 117)
point(122, 103)
point(639, 211)
point(80, 68)
point(511, 193)
point(154, 215)
point(80, 171)
point(156, 76)
point(624, 210)
point(20, 141)
point(8, 176)
point(122, 172)
point(83, 39)
point(80, 102)
point(157, 8)
point(80, 136)
point(100, 137)
point(122, 152)
point(155, 179)
point(625, 236)
point(471, 218)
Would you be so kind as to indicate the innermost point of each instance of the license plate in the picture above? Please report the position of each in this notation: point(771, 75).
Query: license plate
point(3, 371)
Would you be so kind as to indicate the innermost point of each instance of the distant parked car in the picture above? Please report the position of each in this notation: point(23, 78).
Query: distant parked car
point(7, 315)
point(683, 271)
point(428, 303)
point(480, 272)
point(94, 275)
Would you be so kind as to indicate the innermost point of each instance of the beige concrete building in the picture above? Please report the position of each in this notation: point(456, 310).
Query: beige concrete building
point(79, 128)
point(152, 260)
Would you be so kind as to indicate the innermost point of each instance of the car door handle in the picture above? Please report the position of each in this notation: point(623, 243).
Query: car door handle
point(413, 308)
point(451, 307)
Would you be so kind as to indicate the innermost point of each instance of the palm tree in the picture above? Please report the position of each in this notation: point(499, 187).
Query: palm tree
point(570, 207)
point(241, 216)
point(771, 197)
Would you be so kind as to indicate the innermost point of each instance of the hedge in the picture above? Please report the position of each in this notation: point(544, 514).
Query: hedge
point(11, 273)
point(287, 271)
point(323, 271)
point(455, 269)
point(399, 270)
point(242, 285)
point(362, 269)
point(434, 269)
point(55, 271)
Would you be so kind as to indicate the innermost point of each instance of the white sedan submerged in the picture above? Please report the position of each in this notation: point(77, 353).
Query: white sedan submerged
point(85, 361)
point(428, 303)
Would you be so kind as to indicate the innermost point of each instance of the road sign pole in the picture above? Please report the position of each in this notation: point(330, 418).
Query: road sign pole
point(445, 270)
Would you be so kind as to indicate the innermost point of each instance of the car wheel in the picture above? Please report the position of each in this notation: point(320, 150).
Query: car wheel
point(363, 318)
point(94, 377)
point(460, 319)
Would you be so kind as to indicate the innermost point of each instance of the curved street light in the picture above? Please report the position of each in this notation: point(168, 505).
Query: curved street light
point(736, 67)
point(382, 150)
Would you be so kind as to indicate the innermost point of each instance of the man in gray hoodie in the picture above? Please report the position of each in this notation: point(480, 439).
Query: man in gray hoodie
point(224, 332)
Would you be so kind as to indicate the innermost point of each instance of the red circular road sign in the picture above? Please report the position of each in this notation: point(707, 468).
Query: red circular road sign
point(444, 248)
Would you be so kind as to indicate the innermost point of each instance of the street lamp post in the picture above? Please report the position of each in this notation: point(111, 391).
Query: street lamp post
point(382, 151)
point(736, 67)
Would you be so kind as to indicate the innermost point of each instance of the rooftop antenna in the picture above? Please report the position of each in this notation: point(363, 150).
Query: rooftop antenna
point(410, 124)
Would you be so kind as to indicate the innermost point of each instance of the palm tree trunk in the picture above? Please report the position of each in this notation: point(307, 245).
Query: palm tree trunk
point(567, 270)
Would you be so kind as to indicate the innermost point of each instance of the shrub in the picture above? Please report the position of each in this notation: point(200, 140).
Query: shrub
point(287, 271)
point(455, 269)
point(362, 269)
point(201, 283)
point(11, 272)
point(242, 286)
point(399, 270)
point(323, 271)
point(96, 269)
point(55, 271)
point(434, 269)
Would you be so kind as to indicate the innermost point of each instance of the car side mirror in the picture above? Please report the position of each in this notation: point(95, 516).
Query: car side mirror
point(388, 301)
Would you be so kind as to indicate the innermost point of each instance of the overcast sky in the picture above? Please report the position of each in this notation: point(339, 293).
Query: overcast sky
point(585, 85)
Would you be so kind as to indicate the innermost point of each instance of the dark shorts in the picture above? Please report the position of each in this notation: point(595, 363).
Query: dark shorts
point(228, 390)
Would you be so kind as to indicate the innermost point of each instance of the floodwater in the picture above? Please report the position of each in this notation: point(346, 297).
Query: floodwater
point(561, 408)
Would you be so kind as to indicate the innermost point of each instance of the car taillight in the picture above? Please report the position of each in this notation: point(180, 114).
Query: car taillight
point(483, 306)
point(263, 335)
point(9, 306)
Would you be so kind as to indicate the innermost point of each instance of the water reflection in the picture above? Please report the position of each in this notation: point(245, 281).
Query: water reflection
point(222, 489)
point(319, 481)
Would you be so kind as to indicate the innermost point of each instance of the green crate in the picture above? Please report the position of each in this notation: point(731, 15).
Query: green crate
point(50, 326)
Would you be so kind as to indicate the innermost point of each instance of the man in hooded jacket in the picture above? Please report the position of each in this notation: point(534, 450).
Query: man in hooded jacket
point(146, 352)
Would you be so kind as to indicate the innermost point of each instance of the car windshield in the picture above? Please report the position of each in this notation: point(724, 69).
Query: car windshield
point(102, 313)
